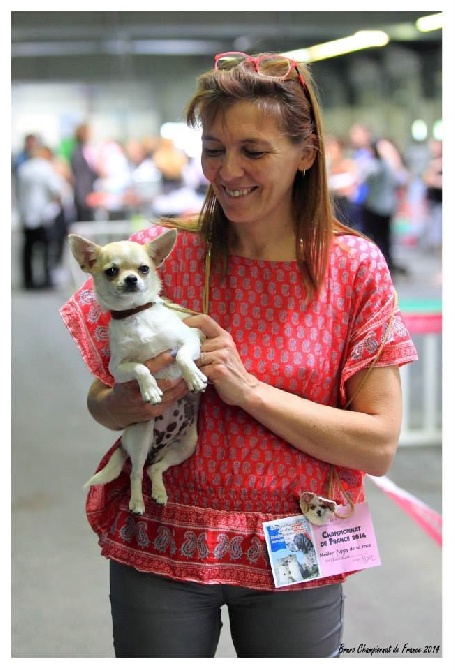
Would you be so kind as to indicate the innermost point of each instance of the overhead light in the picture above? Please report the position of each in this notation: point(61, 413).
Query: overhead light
point(175, 47)
point(430, 22)
point(362, 39)
point(437, 130)
point(419, 130)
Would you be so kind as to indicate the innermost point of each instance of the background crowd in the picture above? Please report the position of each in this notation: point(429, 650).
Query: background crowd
point(376, 187)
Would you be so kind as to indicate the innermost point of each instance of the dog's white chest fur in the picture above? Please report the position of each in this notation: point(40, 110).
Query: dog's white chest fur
point(143, 336)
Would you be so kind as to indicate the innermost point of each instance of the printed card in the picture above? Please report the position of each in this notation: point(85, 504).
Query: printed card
point(300, 552)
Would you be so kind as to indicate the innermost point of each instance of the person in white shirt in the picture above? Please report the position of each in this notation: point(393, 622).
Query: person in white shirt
point(39, 194)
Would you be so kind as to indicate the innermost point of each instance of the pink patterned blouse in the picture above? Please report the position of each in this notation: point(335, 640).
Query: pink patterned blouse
point(241, 475)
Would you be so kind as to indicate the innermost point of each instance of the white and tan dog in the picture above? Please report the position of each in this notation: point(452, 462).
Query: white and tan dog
point(317, 510)
point(142, 326)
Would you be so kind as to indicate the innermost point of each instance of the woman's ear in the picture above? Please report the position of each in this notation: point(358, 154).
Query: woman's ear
point(308, 153)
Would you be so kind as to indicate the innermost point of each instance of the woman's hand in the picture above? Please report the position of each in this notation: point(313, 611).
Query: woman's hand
point(122, 405)
point(220, 361)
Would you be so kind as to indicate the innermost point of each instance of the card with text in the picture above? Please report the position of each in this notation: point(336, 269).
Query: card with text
point(344, 545)
point(300, 551)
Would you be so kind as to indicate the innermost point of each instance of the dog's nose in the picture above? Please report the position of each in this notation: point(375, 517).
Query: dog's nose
point(131, 280)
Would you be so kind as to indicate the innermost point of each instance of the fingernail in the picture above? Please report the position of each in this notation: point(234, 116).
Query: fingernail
point(173, 352)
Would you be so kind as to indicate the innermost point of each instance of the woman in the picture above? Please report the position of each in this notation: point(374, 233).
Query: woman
point(298, 309)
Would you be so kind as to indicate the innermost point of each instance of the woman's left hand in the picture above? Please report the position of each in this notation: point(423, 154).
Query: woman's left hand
point(220, 361)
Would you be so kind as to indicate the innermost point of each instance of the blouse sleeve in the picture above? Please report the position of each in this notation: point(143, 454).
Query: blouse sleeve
point(88, 324)
point(378, 335)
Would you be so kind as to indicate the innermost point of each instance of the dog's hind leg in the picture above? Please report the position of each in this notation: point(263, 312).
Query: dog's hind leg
point(111, 470)
point(137, 439)
point(173, 454)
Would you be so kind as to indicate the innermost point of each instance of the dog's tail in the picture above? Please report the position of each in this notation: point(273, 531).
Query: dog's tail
point(111, 470)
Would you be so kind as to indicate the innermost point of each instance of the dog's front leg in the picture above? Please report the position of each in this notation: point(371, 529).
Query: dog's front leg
point(196, 380)
point(128, 370)
point(137, 441)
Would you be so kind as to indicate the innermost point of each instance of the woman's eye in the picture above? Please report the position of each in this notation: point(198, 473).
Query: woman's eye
point(111, 272)
point(250, 153)
point(210, 153)
point(143, 269)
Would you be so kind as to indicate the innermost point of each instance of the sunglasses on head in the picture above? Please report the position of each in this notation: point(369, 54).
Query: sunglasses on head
point(266, 65)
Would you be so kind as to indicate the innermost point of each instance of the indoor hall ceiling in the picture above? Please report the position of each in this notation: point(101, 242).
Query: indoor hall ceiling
point(41, 34)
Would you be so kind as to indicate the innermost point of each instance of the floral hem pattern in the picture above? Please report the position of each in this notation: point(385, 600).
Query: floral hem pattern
point(184, 542)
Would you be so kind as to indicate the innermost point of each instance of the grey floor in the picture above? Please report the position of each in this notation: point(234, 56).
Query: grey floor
point(59, 580)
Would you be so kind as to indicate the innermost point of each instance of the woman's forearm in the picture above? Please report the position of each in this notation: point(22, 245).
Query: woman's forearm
point(364, 439)
point(98, 405)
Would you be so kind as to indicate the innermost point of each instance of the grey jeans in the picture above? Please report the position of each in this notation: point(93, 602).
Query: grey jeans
point(156, 617)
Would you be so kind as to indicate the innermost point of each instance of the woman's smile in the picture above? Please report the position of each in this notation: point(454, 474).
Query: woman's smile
point(238, 193)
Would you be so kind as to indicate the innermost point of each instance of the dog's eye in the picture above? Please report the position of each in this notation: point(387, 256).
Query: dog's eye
point(144, 269)
point(111, 272)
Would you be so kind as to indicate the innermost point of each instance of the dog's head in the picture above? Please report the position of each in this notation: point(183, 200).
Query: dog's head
point(124, 273)
point(316, 509)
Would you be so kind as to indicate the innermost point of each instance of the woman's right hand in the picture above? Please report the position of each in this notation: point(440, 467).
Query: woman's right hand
point(122, 405)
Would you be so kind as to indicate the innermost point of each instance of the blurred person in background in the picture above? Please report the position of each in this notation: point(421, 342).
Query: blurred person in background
point(84, 172)
point(178, 196)
point(416, 159)
point(194, 177)
point(144, 177)
point(360, 138)
point(432, 178)
point(383, 180)
point(31, 142)
point(39, 201)
point(108, 195)
point(65, 216)
point(343, 178)
point(170, 161)
point(301, 325)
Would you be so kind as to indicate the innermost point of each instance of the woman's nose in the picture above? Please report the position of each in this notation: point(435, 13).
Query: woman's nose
point(231, 167)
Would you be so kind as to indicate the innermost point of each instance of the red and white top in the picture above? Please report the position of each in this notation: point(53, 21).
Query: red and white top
point(241, 475)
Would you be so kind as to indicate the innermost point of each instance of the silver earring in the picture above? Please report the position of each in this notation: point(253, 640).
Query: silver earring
point(303, 173)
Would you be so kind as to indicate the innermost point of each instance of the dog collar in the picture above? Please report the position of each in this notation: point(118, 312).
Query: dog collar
point(123, 314)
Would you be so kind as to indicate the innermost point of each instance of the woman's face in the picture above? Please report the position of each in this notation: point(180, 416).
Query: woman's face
point(251, 165)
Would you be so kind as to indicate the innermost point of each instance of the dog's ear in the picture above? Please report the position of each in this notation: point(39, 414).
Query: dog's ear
point(159, 248)
point(84, 251)
point(305, 500)
point(331, 504)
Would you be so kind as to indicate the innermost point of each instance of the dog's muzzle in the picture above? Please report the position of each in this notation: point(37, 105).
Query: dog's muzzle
point(130, 283)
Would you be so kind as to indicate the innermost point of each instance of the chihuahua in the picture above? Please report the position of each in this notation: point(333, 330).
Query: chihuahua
point(142, 326)
point(317, 510)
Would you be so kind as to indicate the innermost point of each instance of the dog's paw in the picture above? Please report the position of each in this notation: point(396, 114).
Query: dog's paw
point(136, 505)
point(197, 381)
point(159, 495)
point(152, 395)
